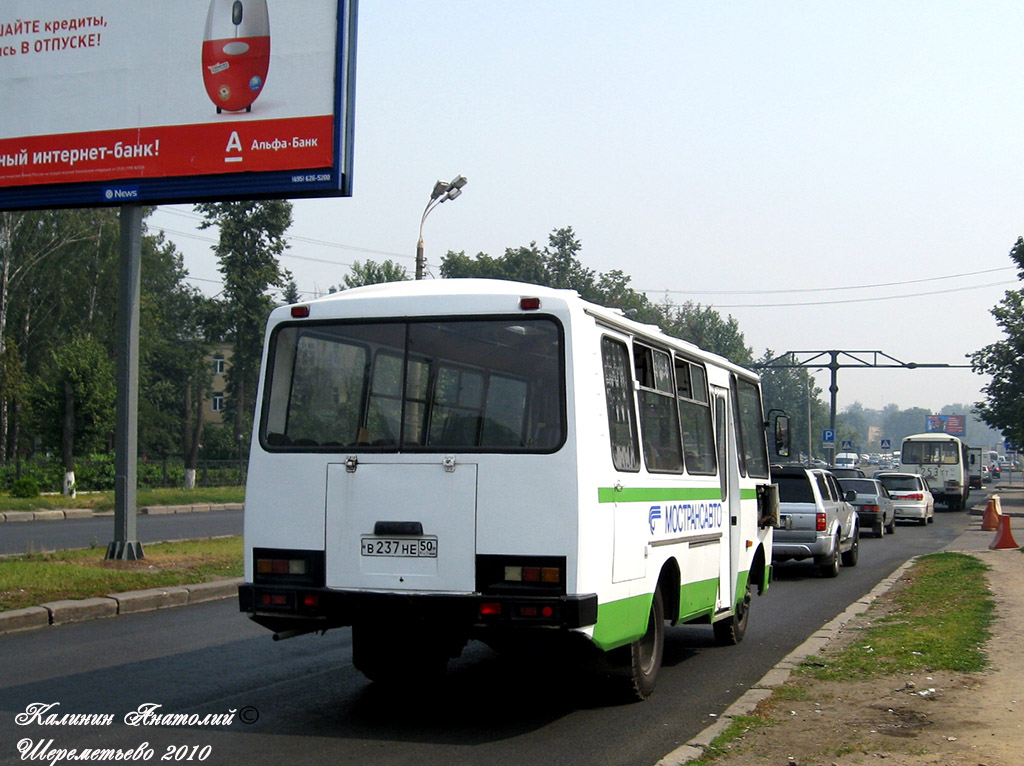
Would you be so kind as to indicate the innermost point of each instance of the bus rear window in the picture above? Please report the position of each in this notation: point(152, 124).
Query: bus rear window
point(930, 453)
point(482, 385)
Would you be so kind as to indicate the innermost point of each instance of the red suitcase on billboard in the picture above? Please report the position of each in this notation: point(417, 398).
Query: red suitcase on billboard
point(236, 53)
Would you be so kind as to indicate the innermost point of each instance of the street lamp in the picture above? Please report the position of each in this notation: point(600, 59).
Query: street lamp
point(443, 190)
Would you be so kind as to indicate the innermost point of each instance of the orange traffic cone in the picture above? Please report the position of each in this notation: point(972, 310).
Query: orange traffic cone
point(990, 521)
point(1004, 537)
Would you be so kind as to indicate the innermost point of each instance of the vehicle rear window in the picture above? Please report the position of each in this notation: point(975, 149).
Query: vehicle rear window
point(491, 384)
point(900, 483)
point(858, 485)
point(794, 489)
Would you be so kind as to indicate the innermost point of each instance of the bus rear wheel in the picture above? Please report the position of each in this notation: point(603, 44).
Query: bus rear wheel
point(645, 654)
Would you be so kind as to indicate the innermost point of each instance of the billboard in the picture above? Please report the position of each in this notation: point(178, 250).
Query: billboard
point(108, 102)
point(954, 425)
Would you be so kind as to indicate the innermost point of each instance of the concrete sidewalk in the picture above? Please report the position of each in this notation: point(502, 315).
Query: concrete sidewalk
point(87, 513)
point(1010, 498)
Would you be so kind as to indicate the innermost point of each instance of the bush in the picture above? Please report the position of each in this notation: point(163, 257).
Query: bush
point(25, 487)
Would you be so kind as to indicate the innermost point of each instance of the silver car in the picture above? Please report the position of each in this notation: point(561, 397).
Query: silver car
point(910, 495)
point(875, 507)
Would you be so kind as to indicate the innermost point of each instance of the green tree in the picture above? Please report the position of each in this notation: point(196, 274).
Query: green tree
point(251, 241)
point(705, 327)
point(558, 265)
point(899, 424)
point(373, 273)
point(73, 402)
point(1003, 405)
point(793, 390)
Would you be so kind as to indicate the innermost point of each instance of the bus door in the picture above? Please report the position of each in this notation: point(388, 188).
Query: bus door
point(729, 480)
point(401, 526)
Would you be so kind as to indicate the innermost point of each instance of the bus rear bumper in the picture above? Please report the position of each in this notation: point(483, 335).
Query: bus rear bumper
point(286, 609)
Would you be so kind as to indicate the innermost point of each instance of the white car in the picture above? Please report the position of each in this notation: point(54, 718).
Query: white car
point(910, 496)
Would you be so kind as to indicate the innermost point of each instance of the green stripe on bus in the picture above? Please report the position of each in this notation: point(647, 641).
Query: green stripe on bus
point(620, 622)
point(656, 494)
point(659, 494)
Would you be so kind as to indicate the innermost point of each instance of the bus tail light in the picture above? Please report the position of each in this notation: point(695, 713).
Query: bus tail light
point(534, 612)
point(821, 522)
point(550, 575)
point(281, 566)
point(490, 609)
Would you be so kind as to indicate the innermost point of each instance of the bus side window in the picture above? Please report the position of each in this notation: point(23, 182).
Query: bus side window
point(618, 391)
point(723, 441)
point(695, 418)
point(659, 417)
point(750, 424)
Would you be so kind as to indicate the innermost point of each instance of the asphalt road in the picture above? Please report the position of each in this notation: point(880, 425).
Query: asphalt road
point(301, 701)
point(34, 536)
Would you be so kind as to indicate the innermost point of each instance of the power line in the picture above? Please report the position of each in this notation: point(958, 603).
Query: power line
point(831, 289)
point(663, 291)
point(858, 300)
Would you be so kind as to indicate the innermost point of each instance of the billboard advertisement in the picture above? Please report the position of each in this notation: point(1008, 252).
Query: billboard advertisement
point(954, 425)
point(115, 101)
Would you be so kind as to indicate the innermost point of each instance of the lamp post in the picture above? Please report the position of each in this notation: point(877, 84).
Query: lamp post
point(443, 190)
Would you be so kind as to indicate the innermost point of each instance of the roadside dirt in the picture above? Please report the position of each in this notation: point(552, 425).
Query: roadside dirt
point(924, 719)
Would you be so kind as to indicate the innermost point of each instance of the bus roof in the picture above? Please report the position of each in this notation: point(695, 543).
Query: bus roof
point(479, 295)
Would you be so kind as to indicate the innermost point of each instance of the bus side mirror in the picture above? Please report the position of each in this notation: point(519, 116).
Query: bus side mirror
point(782, 437)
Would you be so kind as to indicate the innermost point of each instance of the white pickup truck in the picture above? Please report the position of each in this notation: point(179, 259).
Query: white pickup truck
point(817, 520)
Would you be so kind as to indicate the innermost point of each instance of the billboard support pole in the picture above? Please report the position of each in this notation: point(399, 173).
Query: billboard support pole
point(125, 545)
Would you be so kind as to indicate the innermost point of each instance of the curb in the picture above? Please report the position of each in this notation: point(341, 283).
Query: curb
point(86, 513)
point(79, 610)
point(778, 675)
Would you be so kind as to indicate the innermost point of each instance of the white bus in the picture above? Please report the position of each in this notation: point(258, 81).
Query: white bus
point(942, 460)
point(446, 460)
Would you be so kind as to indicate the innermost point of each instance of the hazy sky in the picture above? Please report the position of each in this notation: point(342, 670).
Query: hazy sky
point(835, 175)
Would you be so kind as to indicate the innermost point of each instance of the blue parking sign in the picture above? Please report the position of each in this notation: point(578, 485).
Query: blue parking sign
point(828, 435)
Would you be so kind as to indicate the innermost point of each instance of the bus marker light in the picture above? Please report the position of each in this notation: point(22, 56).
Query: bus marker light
point(529, 304)
point(300, 312)
point(550, 574)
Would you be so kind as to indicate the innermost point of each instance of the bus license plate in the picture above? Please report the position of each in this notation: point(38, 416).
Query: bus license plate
point(400, 547)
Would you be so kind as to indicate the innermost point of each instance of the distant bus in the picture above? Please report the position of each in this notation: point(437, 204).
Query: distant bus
point(442, 460)
point(942, 460)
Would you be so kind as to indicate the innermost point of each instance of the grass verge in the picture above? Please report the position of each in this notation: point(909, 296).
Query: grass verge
point(36, 578)
point(938, 621)
point(938, 618)
point(104, 501)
